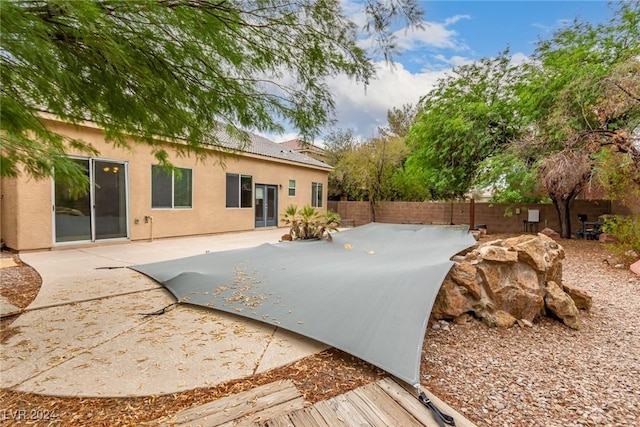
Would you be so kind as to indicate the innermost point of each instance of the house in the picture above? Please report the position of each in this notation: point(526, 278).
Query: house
point(132, 198)
point(306, 148)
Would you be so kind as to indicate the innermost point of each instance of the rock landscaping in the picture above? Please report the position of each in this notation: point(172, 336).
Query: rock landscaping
point(509, 281)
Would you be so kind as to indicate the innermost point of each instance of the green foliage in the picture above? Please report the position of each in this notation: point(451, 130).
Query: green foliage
point(468, 117)
point(618, 174)
point(627, 232)
point(510, 179)
point(307, 223)
point(365, 170)
point(340, 146)
point(399, 121)
point(535, 130)
point(180, 71)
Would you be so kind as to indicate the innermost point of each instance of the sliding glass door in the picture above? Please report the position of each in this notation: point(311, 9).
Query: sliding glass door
point(98, 213)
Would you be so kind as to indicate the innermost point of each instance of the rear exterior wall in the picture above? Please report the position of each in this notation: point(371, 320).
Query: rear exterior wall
point(27, 218)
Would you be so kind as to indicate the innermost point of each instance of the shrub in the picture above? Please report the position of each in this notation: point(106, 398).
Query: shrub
point(626, 230)
point(308, 223)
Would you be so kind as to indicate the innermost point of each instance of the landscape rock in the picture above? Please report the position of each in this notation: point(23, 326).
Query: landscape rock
point(551, 233)
point(524, 323)
point(562, 306)
point(449, 303)
point(505, 281)
point(582, 299)
point(635, 267)
point(607, 238)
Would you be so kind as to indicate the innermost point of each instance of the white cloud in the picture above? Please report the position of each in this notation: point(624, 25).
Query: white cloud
point(432, 35)
point(364, 110)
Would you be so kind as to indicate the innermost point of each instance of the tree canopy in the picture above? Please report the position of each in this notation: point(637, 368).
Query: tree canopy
point(467, 117)
point(178, 70)
point(580, 100)
point(365, 170)
point(565, 120)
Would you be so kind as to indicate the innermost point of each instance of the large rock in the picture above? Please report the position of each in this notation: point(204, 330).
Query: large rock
point(511, 280)
point(581, 299)
point(549, 232)
point(561, 305)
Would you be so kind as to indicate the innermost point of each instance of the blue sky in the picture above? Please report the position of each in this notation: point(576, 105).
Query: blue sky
point(455, 32)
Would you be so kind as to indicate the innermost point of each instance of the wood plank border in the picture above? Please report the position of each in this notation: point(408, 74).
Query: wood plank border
point(258, 404)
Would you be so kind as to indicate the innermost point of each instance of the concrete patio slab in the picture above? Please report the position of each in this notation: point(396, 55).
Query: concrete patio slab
point(7, 309)
point(84, 334)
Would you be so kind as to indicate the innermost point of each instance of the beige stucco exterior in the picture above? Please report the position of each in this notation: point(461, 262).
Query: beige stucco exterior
point(28, 222)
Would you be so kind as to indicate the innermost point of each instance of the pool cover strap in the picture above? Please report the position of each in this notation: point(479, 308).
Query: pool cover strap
point(441, 418)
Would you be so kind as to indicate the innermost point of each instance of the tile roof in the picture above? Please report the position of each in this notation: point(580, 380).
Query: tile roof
point(262, 146)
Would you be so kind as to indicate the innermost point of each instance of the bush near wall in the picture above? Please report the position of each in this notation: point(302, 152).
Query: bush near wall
point(498, 217)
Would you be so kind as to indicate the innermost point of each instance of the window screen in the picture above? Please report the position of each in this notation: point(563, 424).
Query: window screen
point(239, 191)
point(171, 189)
point(233, 196)
point(316, 194)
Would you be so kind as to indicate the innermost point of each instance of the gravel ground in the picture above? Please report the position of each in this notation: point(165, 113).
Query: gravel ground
point(548, 375)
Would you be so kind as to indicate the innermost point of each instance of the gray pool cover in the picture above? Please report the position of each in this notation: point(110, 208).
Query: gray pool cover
point(369, 292)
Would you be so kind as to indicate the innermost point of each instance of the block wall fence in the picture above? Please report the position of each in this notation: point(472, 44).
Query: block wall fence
point(494, 215)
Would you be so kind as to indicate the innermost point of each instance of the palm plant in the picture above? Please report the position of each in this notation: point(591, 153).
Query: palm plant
point(290, 218)
point(307, 223)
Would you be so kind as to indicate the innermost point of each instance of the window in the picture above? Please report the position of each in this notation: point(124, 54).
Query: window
point(316, 194)
point(171, 189)
point(292, 187)
point(239, 191)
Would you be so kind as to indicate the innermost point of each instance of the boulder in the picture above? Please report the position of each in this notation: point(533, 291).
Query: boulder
point(551, 233)
point(449, 303)
point(511, 280)
point(562, 306)
point(581, 299)
point(499, 319)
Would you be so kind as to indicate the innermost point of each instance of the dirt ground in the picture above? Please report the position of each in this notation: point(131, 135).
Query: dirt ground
point(319, 377)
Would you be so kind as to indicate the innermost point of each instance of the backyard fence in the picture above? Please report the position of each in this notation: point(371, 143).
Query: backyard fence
point(496, 217)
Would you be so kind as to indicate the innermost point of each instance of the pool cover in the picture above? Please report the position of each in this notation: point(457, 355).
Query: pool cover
point(368, 292)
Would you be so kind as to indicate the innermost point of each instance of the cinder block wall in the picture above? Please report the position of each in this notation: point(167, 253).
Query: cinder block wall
point(499, 218)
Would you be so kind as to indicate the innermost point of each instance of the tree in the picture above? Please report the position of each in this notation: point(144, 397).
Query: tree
point(399, 121)
point(466, 118)
point(551, 126)
point(365, 170)
point(617, 167)
point(173, 70)
point(580, 99)
point(340, 147)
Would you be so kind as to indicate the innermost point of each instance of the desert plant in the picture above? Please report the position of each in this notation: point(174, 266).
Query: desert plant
point(290, 218)
point(626, 230)
point(307, 223)
point(332, 220)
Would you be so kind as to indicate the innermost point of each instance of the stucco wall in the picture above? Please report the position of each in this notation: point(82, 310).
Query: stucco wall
point(27, 220)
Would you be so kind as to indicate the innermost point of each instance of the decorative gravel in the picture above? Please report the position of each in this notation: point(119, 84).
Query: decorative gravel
point(548, 375)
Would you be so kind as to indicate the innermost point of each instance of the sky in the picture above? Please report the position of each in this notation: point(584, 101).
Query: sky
point(455, 33)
